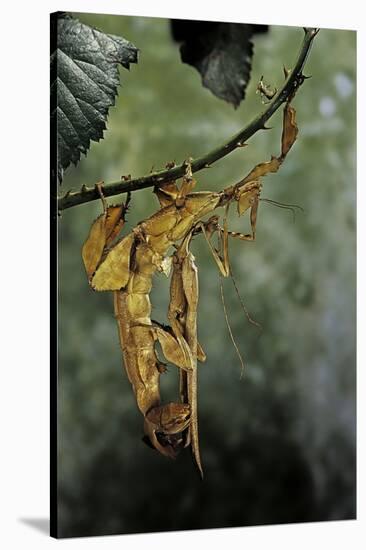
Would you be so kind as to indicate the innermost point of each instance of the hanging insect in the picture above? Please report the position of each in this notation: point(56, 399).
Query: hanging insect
point(127, 266)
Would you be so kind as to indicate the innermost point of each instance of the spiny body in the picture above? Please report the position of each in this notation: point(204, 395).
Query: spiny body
point(128, 266)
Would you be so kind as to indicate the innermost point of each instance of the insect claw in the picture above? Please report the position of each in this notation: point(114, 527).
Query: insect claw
point(99, 187)
point(188, 164)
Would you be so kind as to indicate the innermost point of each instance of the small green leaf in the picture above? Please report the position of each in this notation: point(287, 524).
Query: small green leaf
point(84, 81)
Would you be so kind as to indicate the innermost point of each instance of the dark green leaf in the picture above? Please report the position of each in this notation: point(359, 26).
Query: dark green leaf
point(84, 81)
point(221, 52)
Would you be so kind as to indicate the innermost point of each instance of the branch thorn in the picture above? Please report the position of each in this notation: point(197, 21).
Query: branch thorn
point(312, 30)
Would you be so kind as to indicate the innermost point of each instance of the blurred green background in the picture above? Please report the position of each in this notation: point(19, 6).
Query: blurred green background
point(278, 444)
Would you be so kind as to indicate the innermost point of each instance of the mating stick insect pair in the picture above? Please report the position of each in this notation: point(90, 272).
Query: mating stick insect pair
point(127, 266)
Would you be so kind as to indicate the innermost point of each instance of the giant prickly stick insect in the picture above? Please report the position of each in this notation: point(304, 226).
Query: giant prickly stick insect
point(127, 266)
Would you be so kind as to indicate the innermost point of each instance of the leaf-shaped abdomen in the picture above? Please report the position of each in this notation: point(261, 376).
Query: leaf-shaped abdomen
point(114, 272)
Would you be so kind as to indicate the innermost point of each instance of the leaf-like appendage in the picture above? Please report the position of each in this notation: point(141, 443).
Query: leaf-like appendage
point(179, 355)
point(167, 193)
point(102, 232)
point(221, 52)
point(84, 81)
point(114, 222)
point(289, 135)
point(114, 272)
point(264, 168)
point(93, 247)
point(290, 129)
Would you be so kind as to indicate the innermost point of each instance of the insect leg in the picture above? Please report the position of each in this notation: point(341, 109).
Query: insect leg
point(190, 286)
point(221, 262)
point(176, 352)
point(182, 315)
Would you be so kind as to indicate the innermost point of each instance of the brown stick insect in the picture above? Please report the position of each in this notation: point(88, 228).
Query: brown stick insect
point(126, 267)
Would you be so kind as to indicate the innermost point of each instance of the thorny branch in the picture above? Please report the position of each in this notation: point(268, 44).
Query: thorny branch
point(294, 79)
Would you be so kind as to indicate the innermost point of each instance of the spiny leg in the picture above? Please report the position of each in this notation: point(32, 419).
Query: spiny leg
point(183, 317)
point(242, 237)
point(212, 225)
point(99, 188)
point(190, 285)
point(223, 262)
point(223, 267)
point(176, 317)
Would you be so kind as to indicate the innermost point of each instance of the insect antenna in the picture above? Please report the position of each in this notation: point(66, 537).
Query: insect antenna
point(246, 312)
point(291, 207)
point(229, 328)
